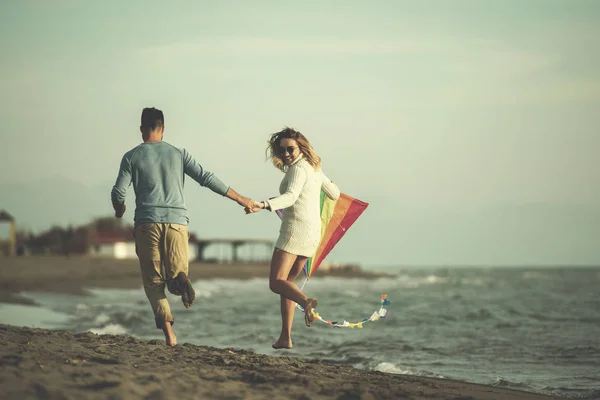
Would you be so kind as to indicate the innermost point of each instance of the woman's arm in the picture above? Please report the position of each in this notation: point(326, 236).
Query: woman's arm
point(296, 179)
point(330, 188)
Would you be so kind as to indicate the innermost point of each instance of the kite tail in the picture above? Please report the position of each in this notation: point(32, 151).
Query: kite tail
point(379, 314)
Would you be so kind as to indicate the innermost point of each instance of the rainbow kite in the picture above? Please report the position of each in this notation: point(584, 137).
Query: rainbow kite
point(337, 216)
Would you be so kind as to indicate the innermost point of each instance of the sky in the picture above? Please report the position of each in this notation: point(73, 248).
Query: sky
point(470, 127)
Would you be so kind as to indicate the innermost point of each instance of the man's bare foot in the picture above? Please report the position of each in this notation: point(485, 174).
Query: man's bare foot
point(282, 343)
point(182, 286)
point(170, 337)
point(187, 291)
point(309, 317)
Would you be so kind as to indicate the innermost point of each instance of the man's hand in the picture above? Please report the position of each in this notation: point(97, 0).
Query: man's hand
point(119, 209)
point(245, 202)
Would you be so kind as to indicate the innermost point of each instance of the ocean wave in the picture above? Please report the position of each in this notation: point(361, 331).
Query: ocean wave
point(540, 276)
point(568, 393)
point(392, 368)
point(578, 351)
point(501, 382)
point(563, 318)
point(505, 383)
point(102, 319)
point(412, 282)
point(480, 315)
point(99, 316)
point(506, 325)
point(441, 323)
point(110, 329)
point(514, 311)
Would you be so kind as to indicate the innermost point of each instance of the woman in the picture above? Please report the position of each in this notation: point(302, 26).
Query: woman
point(300, 231)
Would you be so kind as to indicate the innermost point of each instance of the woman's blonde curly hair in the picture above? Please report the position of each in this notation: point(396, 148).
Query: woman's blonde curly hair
point(274, 153)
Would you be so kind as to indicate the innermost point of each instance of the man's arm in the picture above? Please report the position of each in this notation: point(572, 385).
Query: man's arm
point(245, 202)
point(211, 181)
point(119, 190)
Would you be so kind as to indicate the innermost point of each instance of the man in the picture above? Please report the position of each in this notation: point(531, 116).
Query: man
point(157, 171)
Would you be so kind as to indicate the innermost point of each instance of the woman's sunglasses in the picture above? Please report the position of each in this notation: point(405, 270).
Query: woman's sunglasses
point(289, 149)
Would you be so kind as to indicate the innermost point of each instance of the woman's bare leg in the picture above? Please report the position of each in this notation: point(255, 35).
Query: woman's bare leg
point(287, 309)
point(281, 265)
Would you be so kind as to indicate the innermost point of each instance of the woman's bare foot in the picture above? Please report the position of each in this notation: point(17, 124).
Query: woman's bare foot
point(170, 337)
point(309, 317)
point(283, 343)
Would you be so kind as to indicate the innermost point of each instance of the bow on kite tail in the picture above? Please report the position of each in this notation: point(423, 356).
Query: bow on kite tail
point(337, 216)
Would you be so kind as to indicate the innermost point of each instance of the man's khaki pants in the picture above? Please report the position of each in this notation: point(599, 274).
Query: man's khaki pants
point(162, 249)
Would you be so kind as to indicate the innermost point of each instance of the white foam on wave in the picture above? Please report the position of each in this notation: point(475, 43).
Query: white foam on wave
point(216, 287)
point(408, 281)
point(411, 281)
point(391, 368)
point(102, 319)
point(204, 289)
point(110, 329)
point(352, 293)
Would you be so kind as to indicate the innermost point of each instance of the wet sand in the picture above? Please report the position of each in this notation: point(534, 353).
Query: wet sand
point(43, 364)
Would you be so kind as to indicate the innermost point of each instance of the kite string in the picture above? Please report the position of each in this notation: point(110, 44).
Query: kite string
point(301, 289)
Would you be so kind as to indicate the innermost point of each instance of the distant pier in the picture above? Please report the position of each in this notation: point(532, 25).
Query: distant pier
point(233, 250)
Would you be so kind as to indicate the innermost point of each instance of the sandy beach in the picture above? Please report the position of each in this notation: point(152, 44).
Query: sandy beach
point(42, 364)
point(56, 364)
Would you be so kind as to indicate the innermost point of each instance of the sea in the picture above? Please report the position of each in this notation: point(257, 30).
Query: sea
point(526, 328)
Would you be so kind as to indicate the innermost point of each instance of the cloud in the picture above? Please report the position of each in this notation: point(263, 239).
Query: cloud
point(500, 61)
point(50, 5)
point(456, 55)
point(464, 50)
point(276, 46)
point(470, 71)
point(502, 91)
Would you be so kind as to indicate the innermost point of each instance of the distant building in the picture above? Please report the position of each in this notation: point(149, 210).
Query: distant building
point(8, 247)
point(121, 246)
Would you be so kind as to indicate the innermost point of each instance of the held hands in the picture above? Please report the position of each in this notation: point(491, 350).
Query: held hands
point(250, 206)
point(255, 207)
point(245, 202)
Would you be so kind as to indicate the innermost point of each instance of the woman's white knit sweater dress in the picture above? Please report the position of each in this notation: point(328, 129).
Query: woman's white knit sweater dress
point(300, 202)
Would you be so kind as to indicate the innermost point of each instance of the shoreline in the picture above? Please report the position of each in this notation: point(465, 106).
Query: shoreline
point(51, 363)
point(72, 275)
point(55, 364)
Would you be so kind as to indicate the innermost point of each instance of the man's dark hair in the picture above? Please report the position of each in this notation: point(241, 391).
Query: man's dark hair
point(152, 118)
